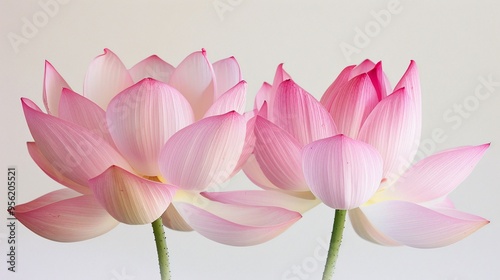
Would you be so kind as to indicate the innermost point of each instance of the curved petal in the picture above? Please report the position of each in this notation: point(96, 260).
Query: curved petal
point(131, 199)
point(204, 153)
point(333, 90)
point(393, 128)
point(417, 226)
point(262, 95)
point(295, 201)
point(142, 118)
point(253, 172)
point(72, 150)
point(380, 81)
point(232, 100)
point(227, 74)
point(65, 216)
point(352, 105)
point(437, 175)
point(53, 171)
point(342, 172)
point(249, 145)
point(151, 67)
point(194, 78)
point(81, 111)
point(362, 68)
point(301, 115)
point(367, 231)
point(173, 220)
point(105, 78)
point(237, 225)
point(53, 83)
point(279, 156)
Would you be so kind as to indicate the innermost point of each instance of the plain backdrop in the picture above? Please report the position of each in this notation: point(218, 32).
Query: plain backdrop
point(455, 44)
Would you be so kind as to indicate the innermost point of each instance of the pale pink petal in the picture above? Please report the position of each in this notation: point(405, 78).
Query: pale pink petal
point(65, 216)
point(352, 104)
point(205, 153)
point(295, 201)
point(237, 225)
point(262, 95)
point(364, 228)
point(249, 145)
point(232, 100)
point(362, 68)
point(417, 226)
point(280, 76)
point(332, 91)
point(256, 175)
point(53, 83)
point(301, 115)
point(227, 74)
point(105, 78)
point(142, 118)
point(411, 83)
point(152, 67)
point(279, 156)
point(437, 175)
point(173, 220)
point(53, 171)
point(194, 78)
point(131, 199)
point(71, 149)
point(81, 111)
point(393, 128)
point(344, 173)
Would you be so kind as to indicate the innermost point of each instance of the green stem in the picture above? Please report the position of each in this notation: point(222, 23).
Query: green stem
point(335, 241)
point(161, 248)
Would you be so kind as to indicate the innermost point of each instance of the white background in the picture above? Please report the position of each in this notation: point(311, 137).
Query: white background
point(453, 44)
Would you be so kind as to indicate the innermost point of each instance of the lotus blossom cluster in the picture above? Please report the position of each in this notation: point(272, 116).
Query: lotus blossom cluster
point(150, 141)
point(350, 150)
point(142, 143)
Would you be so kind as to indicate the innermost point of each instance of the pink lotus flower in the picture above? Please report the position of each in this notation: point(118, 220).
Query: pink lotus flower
point(140, 144)
point(349, 151)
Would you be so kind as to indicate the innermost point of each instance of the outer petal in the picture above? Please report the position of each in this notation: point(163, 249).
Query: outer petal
point(54, 172)
point(417, 226)
point(237, 225)
point(295, 201)
point(81, 111)
point(365, 229)
point(204, 153)
point(393, 128)
point(142, 118)
point(53, 83)
point(352, 104)
point(152, 67)
point(65, 216)
point(173, 220)
point(131, 199)
point(279, 156)
point(437, 175)
point(297, 112)
point(227, 74)
point(194, 78)
point(72, 150)
point(105, 78)
point(342, 172)
point(232, 100)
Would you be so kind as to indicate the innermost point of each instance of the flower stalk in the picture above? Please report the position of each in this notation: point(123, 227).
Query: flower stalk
point(335, 241)
point(161, 248)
